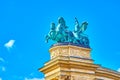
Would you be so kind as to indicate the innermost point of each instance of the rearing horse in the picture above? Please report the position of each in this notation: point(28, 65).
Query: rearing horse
point(52, 33)
point(62, 33)
point(58, 33)
point(61, 30)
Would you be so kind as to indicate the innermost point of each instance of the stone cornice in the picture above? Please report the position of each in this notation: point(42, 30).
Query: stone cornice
point(107, 73)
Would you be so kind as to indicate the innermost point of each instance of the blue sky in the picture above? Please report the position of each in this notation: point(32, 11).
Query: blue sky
point(26, 22)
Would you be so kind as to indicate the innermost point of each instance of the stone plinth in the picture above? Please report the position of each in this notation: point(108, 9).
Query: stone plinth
point(69, 62)
point(71, 52)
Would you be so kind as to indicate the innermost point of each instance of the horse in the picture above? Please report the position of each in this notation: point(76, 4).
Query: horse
point(57, 33)
point(62, 33)
point(52, 33)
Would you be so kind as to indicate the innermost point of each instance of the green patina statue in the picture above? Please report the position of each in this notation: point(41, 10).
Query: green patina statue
point(61, 34)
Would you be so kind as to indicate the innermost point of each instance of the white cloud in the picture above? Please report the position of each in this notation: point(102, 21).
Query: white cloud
point(9, 44)
point(118, 70)
point(2, 60)
point(34, 79)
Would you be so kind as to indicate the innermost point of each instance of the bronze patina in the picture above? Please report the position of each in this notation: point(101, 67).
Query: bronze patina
point(61, 34)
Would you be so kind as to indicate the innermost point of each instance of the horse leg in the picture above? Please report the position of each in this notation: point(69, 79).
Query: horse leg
point(47, 38)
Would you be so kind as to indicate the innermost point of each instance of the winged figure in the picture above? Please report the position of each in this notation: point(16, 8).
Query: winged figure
point(79, 32)
point(79, 28)
point(61, 34)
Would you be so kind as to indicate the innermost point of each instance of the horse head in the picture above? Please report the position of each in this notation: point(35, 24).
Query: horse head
point(61, 25)
point(52, 27)
point(61, 20)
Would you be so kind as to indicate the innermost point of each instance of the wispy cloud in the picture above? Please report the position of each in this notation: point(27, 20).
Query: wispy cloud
point(0, 78)
point(9, 44)
point(2, 60)
point(2, 68)
point(118, 70)
point(34, 79)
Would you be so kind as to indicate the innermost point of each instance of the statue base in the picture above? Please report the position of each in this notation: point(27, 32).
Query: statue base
point(72, 44)
point(71, 51)
point(70, 62)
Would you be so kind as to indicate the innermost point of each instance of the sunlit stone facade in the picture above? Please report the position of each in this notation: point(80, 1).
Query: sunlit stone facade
point(69, 62)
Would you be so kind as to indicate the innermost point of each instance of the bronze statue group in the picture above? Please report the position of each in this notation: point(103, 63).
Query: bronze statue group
point(61, 34)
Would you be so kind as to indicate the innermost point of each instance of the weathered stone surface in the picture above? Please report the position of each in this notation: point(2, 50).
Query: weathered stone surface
point(75, 63)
